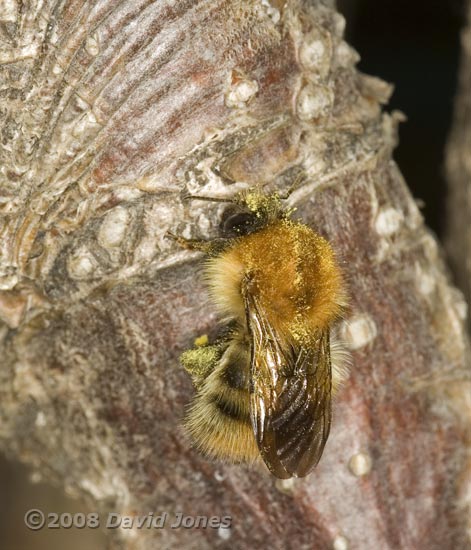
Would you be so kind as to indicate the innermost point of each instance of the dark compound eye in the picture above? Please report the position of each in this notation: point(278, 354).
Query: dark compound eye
point(236, 221)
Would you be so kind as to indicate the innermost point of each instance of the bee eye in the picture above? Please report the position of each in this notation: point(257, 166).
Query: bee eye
point(237, 222)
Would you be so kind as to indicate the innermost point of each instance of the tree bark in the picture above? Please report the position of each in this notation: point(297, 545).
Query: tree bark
point(111, 111)
point(458, 239)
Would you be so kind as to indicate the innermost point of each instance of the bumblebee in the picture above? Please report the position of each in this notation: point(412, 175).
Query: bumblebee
point(264, 388)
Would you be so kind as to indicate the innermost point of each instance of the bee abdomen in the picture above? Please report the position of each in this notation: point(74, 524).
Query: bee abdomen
point(219, 417)
point(235, 409)
point(235, 376)
point(222, 429)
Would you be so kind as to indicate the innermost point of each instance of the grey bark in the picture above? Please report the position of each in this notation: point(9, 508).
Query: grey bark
point(110, 112)
point(458, 164)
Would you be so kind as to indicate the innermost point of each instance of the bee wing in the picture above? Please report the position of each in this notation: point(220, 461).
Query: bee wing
point(290, 396)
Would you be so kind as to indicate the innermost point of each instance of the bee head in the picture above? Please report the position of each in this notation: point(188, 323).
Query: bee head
point(250, 213)
point(238, 220)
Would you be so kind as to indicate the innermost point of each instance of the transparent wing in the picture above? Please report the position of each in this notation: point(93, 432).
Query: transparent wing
point(290, 396)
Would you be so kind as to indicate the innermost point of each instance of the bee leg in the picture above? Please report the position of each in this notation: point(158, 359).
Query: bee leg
point(190, 244)
point(212, 248)
point(200, 362)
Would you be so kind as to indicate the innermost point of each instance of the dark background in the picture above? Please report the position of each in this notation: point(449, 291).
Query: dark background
point(415, 45)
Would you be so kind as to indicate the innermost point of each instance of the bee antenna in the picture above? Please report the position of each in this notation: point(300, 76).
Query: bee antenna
point(298, 181)
point(187, 196)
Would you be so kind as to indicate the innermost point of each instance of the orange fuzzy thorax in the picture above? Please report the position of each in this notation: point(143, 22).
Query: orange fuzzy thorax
point(294, 275)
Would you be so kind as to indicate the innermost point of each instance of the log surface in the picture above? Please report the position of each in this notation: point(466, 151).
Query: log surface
point(458, 169)
point(110, 111)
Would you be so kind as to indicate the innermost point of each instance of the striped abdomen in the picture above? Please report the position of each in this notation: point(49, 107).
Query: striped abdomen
point(219, 417)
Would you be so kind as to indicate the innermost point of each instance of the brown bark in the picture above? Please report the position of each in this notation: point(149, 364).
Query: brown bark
point(458, 241)
point(111, 110)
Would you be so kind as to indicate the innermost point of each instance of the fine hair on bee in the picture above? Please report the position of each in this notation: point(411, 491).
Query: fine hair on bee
point(264, 387)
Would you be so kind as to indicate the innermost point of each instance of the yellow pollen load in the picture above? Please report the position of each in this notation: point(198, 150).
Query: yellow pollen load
point(294, 273)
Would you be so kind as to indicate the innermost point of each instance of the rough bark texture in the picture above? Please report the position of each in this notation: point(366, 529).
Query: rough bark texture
point(110, 110)
point(458, 242)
